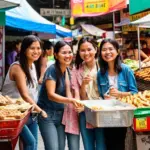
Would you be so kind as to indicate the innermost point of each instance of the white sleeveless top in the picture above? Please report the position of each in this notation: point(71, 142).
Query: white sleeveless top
point(10, 88)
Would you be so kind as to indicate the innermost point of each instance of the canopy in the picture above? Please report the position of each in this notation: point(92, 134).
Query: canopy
point(143, 22)
point(6, 4)
point(25, 17)
point(92, 30)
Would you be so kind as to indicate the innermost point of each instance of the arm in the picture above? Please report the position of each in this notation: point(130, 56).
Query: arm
point(17, 75)
point(146, 60)
point(51, 87)
point(131, 83)
point(83, 92)
point(142, 54)
point(43, 68)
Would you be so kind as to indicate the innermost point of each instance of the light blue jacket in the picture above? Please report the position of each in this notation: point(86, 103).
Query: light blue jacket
point(126, 81)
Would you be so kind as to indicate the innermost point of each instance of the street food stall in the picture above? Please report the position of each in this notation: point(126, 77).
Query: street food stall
point(14, 114)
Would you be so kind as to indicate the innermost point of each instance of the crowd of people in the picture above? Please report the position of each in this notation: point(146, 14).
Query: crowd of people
point(58, 99)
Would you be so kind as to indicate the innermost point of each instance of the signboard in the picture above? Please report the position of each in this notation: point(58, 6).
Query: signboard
point(139, 15)
point(81, 8)
point(55, 12)
point(138, 6)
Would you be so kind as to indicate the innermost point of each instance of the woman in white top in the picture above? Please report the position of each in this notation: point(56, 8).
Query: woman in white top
point(21, 81)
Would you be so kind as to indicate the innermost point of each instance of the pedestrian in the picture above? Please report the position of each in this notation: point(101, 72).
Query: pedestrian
point(119, 80)
point(52, 99)
point(21, 81)
point(84, 84)
point(13, 55)
point(47, 58)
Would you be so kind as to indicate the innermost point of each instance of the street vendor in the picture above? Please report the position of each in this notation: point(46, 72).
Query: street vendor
point(114, 80)
point(132, 52)
point(21, 81)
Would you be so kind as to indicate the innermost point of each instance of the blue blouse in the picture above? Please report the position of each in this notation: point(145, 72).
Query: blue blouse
point(126, 81)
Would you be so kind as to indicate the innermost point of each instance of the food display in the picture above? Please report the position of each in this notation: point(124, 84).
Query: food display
point(11, 109)
point(108, 113)
point(141, 99)
point(133, 64)
point(143, 74)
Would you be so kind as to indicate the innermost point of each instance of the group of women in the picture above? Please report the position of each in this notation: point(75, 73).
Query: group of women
point(61, 112)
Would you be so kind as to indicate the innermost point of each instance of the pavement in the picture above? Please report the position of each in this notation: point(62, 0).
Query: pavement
point(41, 145)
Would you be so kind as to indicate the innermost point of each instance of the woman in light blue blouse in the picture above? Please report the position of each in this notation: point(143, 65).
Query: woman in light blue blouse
point(118, 79)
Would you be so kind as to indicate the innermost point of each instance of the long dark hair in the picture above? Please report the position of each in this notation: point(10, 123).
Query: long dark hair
point(26, 43)
point(46, 46)
point(78, 59)
point(103, 64)
point(57, 48)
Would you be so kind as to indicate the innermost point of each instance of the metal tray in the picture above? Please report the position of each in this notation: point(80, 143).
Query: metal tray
point(114, 113)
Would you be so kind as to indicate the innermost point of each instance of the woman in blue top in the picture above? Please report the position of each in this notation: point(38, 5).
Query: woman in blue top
point(119, 80)
point(52, 99)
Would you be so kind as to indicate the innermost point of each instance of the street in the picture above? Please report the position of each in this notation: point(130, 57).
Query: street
point(41, 145)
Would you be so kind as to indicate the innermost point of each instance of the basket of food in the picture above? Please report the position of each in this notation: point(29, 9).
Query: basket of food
point(13, 115)
point(143, 79)
point(108, 113)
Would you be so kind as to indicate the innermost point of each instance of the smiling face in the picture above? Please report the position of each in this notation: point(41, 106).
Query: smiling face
point(64, 56)
point(109, 52)
point(87, 52)
point(33, 52)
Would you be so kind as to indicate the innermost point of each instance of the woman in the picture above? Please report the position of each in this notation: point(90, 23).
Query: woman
point(47, 59)
point(119, 80)
point(84, 86)
point(52, 99)
point(21, 81)
point(133, 53)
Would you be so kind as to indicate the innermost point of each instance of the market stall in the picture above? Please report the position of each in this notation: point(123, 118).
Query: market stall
point(141, 23)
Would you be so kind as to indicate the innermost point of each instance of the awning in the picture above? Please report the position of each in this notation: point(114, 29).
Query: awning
point(7, 4)
point(92, 30)
point(123, 22)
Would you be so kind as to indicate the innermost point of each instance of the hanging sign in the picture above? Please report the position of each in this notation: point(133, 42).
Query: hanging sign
point(81, 8)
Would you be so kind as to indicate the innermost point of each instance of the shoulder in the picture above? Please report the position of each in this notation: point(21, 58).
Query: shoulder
point(51, 73)
point(51, 68)
point(125, 68)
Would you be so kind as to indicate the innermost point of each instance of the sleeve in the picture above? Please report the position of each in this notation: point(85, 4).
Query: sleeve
point(131, 81)
point(50, 73)
point(98, 84)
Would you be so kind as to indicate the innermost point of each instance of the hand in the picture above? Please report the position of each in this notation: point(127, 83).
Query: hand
point(114, 92)
point(44, 114)
point(79, 109)
point(76, 103)
point(40, 80)
point(107, 97)
point(86, 80)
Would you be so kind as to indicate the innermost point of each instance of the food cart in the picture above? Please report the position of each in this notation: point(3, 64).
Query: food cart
point(13, 116)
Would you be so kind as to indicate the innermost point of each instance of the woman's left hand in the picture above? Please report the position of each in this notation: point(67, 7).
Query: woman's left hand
point(114, 92)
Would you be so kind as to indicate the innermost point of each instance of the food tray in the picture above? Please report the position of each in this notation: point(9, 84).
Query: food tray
point(10, 129)
point(114, 113)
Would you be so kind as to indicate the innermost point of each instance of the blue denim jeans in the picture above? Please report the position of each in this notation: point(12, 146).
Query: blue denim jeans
point(53, 132)
point(29, 134)
point(93, 139)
